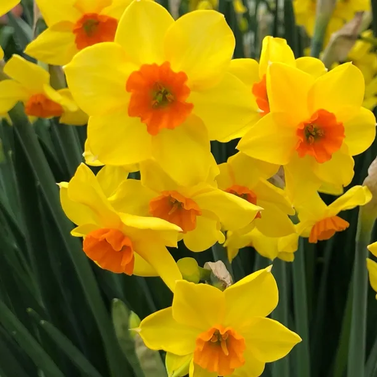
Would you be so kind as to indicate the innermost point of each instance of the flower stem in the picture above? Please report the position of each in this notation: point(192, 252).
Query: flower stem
point(356, 351)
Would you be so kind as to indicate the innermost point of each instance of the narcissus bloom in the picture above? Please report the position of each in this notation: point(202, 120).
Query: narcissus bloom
point(7, 5)
point(246, 178)
point(163, 92)
point(315, 123)
point(269, 247)
point(200, 210)
point(320, 222)
point(119, 242)
point(30, 84)
point(74, 25)
point(225, 334)
point(254, 74)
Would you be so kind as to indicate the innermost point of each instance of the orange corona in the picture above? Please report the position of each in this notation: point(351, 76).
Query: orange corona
point(260, 93)
point(111, 250)
point(220, 350)
point(175, 208)
point(158, 97)
point(326, 228)
point(40, 106)
point(94, 28)
point(244, 193)
point(320, 136)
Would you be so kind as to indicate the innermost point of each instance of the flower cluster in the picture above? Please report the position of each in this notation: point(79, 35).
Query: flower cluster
point(156, 92)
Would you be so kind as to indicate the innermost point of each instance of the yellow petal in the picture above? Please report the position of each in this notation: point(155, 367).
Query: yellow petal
point(201, 44)
point(116, 9)
point(83, 230)
point(113, 134)
point(261, 290)
point(247, 70)
point(372, 269)
point(149, 23)
point(30, 75)
point(233, 212)
point(177, 366)
point(156, 179)
point(355, 196)
point(269, 340)
point(252, 367)
point(161, 332)
point(74, 118)
point(54, 12)
point(197, 371)
point(288, 89)
point(110, 178)
point(205, 235)
point(7, 5)
point(341, 87)
point(373, 248)
point(90, 6)
point(313, 66)
point(53, 47)
point(274, 50)
point(10, 93)
point(360, 131)
point(225, 108)
point(198, 305)
point(143, 268)
point(184, 152)
point(270, 140)
point(100, 88)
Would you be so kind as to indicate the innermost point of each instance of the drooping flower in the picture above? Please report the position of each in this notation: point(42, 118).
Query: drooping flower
point(201, 210)
point(119, 242)
point(163, 92)
point(74, 25)
point(30, 84)
point(246, 178)
point(315, 125)
point(225, 334)
point(320, 222)
point(7, 5)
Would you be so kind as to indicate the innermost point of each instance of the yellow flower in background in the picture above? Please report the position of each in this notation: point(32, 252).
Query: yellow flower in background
point(254, 74)
point(119, 242)
point(162, 92)
point(73, 25)
point(320, 222)
point(269, 247)
point(224, 333)
point(200, 210)
point(7, 5)
point(246, 178)
point(30, 84)
point(372, 267)
point(315, 125)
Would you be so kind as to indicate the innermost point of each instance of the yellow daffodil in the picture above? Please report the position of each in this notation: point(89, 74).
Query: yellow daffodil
point(254, 74)
point(320, 222)
point(73, 25)
point(119, 242)
point(200, 210)
point(163, 92)
point(7, 5)
point(315, 125)
point(224, 333)
point(372, 267)
point(30, 84)
point(269, 247)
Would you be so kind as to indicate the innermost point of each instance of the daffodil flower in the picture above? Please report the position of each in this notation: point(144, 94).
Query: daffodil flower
point(222, 332)
point(7, 5)
point(200, 210)
point(74, 25)
point(30, 84)
point(119, 242)
point(320, 222)
point(162, 93)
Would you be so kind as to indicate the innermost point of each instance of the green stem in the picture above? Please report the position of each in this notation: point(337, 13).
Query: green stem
point(281, 368)
point(301, 311)
point(356, 351)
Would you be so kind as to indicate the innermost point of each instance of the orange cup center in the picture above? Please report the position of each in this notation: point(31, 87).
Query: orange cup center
point(259, 90)
point(40, 106)
point(244, 193)
point(326, 228)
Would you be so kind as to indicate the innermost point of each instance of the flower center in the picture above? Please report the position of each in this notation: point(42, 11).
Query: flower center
point(260, 93)
point(40, 106)
point(244, 193)
point(158, 97)
point(175, 208)
point(220, 350)
point(110, 249)
point(320, 136)
point(94, 28)
point(326, 228)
